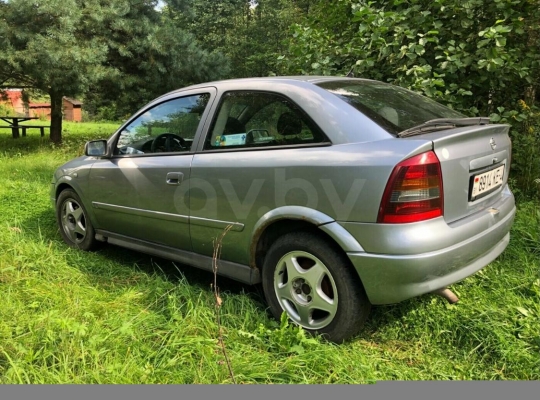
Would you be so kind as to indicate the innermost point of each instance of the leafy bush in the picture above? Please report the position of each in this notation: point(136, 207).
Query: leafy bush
point(6, 110)
point(525, 134)
point(477, 56)
point(106, 113)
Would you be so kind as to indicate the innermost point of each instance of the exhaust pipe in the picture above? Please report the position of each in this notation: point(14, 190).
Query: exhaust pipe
point(447, 294)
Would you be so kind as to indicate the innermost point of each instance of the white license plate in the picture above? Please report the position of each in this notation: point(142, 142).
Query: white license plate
point(487, 181)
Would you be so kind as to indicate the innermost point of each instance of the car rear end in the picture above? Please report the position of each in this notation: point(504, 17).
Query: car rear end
point(445, 213)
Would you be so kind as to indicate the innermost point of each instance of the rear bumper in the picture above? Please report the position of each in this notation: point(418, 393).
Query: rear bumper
point(391, 278)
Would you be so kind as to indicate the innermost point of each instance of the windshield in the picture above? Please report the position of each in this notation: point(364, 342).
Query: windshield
point(392, 107)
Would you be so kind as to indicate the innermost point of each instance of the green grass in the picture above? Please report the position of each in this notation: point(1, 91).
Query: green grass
point(116, 316)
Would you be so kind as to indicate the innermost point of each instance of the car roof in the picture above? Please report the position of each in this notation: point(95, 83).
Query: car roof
point(340, 121)
point(282, 79)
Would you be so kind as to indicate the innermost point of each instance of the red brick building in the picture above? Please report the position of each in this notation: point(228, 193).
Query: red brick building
point(13, 98)
point(39, 110)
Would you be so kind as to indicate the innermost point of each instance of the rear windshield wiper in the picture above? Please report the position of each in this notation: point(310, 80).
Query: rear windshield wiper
point(443, 123)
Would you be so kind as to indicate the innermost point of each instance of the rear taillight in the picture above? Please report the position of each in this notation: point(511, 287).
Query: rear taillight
point(414, 191)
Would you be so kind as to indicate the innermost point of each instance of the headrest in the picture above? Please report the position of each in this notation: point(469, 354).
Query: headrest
point(233, 126)
point(289, 124)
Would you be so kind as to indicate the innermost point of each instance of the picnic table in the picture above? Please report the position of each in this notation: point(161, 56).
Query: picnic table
point(14, 125)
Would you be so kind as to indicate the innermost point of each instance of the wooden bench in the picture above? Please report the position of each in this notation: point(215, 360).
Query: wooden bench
point(40, 127)
point(12, 130)
point(23, 128)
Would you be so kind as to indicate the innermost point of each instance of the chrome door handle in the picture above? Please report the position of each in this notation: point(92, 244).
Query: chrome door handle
point(174, 178)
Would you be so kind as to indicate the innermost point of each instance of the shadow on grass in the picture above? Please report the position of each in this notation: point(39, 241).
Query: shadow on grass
point(385, 315)
point(45, 224)
point(94, 265)
point(171, 271)
point(26, 144)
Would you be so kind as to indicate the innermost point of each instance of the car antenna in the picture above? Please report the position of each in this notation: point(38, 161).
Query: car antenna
point(351, 73)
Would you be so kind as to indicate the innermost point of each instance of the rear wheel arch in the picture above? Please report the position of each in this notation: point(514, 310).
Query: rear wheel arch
point(272, 231)
point(296, 218)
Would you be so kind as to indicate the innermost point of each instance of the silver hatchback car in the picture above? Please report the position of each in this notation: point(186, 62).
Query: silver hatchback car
point(334, 193)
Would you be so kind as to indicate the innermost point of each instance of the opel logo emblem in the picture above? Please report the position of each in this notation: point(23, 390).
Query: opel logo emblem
point(492, 144)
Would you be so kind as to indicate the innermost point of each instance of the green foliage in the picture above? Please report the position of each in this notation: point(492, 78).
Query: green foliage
point(106, 113)
point(121, 52)
point(525, 135)
point(477, 56)
point(319, 43)
point(467, 54)
point(44, 48)
point(6, 109)
point(286, 338)
point(151, 55)
point(251, 38)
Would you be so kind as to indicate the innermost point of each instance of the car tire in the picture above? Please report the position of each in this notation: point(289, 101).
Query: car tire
point(72, 218)
point(316, 285)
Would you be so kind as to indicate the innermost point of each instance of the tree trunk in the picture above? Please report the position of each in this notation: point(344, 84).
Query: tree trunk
point(56, 117)
point(530, 95)
point(533, 41)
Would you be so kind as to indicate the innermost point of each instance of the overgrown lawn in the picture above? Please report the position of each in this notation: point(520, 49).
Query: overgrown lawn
point(117, 316)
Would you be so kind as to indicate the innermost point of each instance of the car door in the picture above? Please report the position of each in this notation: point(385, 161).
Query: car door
point(255, 143)
point(141, 191)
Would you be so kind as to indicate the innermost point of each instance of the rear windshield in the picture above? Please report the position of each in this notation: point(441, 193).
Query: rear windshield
point(392, 107)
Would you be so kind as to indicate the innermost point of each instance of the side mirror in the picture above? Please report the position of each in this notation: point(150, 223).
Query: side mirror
point(96, 148)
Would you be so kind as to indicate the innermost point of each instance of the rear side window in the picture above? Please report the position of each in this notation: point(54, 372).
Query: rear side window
point(392, 107)
point(247, 119)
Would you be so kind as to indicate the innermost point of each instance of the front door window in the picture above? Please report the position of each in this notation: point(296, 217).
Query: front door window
point(167, 127)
